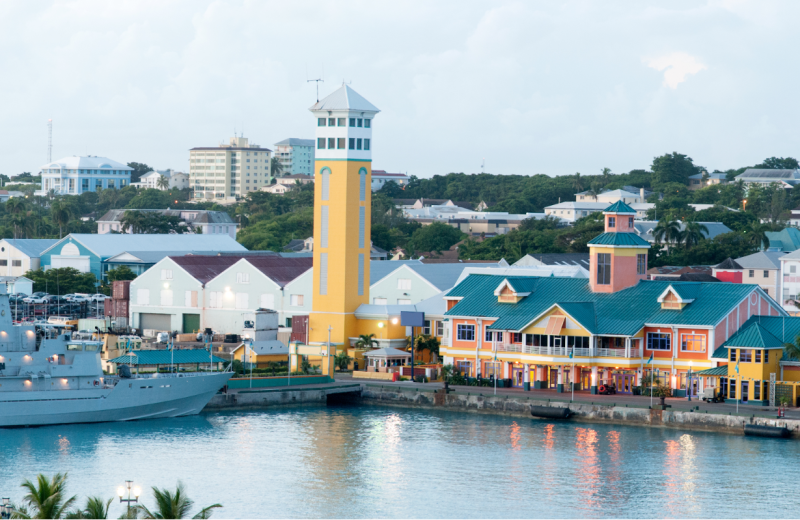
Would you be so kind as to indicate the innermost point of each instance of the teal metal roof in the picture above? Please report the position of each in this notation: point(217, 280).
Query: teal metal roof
point(716, 371)
point(720, 353)
point(688, 290)
point(620, 207)
point(624, 312)
point(164, 357)
point(766, 332)
point(618, 239)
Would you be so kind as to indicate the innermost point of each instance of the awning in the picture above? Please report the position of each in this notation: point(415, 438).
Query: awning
point(554, 325)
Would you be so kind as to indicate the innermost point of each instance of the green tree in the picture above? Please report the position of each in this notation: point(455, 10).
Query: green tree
point(173, 505)
point(672, 168)
point(779, 163)
point(342, 360)
point(163, 182)
point(62, 280)
point(60, 212)
point(366, 341)
point(577, 183)
point(45, 498)
point(122, 272)
point(694, 233)
point(430, 343)
point(95, 507)
point(435, 237)
point(276, 168)
point(667, 230)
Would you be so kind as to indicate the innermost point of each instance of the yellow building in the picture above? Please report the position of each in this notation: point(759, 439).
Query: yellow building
point(342, 203)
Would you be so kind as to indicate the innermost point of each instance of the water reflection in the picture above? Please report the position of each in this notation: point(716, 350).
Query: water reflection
point(379, 462)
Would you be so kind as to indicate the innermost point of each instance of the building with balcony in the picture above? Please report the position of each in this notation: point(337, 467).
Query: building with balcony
point(613, 329)
point(296, 156)
point(229, 171)
point(78, 174)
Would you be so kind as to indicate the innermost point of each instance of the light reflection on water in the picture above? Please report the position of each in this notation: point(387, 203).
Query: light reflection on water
point(389, 462)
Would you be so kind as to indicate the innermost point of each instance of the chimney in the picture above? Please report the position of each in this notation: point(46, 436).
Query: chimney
point(641, 194)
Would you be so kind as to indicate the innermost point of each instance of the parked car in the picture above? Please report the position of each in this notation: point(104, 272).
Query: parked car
point(99, 298)
point(79, 298)
point(37, 297)
point(54, 298)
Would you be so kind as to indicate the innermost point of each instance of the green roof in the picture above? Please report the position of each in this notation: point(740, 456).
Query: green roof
point(624, 312)
point(618, 239)
point(716, 371)
point(753, 335)
point(619, 207)
point(687, 290)
point(165, 357)
point(720, 353)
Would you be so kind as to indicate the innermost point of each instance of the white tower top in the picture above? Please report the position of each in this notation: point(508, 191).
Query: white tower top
point(344, 126)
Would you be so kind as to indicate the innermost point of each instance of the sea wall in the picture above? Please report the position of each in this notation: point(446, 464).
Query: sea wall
point(258, 398)
point(521, 406)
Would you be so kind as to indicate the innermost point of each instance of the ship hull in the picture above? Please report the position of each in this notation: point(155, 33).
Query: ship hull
point(131, 399)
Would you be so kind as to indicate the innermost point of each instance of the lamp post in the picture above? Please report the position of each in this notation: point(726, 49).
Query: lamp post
point(121, 493)
point(6, 509)
point(689, 385)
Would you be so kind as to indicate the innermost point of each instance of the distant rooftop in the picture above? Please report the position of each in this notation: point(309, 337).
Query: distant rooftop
point(294, 141)
point(344, 98)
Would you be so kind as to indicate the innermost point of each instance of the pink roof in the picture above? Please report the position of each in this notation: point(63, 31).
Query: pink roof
point(279, 269)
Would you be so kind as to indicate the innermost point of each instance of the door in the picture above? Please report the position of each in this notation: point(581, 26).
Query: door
point(191, 323)
point(624, 383)
point(745, 391)
point(553, 377)
point(518, 377)
point(151, 321)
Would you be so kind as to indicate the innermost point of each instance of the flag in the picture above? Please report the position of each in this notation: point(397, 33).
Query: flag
point(571, 353)
point(651, 358)
point(737, 367)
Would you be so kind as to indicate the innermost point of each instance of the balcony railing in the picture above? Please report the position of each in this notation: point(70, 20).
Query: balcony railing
point(564, 351)
point(612, 352)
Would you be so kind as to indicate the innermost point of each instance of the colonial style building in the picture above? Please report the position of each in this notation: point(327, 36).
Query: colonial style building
point(612, 329)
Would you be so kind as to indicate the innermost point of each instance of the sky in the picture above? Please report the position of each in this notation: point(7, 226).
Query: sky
point(520, 87)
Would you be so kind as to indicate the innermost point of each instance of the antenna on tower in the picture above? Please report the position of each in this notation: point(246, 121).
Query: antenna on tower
point(49, 140)
point(316, 80)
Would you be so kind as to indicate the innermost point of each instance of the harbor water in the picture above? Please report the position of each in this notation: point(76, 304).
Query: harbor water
point(356, 462)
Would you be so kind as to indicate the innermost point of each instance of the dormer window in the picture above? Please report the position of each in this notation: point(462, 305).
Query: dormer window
point(506, 293)
point(612, 222)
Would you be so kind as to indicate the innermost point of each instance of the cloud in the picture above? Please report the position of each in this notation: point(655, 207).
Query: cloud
point(676, 67)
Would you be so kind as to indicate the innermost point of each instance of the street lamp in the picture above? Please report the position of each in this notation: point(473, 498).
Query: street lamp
point(121, 493)
point(6, 509)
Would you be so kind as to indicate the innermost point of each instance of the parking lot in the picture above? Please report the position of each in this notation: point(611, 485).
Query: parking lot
point(41, 306)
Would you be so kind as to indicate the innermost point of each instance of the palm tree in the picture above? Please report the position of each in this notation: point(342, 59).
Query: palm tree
point(606, 174)
point(163, 182)
point(667, 230)
point(694, 233)
point(577, 183)
point(276, 167)
point(757, 235)
point(16, 206)
point(173, 505)
point(133, 221)
point(60, 212)
point(342, 360)
point(429, 343)
point(45, 498)
point(366, 341)
point(96, 507)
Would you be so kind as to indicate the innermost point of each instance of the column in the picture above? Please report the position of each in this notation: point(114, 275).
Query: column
point(479, 332)
point(560, 383)
point(526, 377)
point(594, 381)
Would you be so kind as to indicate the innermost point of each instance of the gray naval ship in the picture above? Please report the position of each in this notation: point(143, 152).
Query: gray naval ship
point(47, 377)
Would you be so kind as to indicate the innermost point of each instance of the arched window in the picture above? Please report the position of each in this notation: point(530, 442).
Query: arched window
point(362, 184)
point(326, 174)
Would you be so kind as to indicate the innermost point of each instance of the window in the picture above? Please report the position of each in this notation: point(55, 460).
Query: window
point(321, 143)
point(331, 143)
point(362, 222)
point(516, 337)
point(464, 367)
point(242, 277)
point(612, 222)
point(190, 299)
point(658, 341)
point(352, 121)
point(758, 356)
point(733, 354)
point(366, 144)
point(403, 301)
point(267, 301)
point(404, 284)
point(352, 143)
point(166, 274)
point(693, 343)
point(359, 121)
point(766, 356)
point(492, 369)
point(342, 121)
point(440, 328)
point(323, 274)
point(324, 225)
point(630, 222)
point(143, 296)
point(757, 391)
point(426, 327)
point(362, 185)
point(367, 123)
point(341, 143)
point(745, 355)
point(326, 174)
point(361, 274)
point(641, 264)
point(215, 299)
point(358, 143)
point(242, 300)
point(3, 263)
point(465, 332)
point(166, 297)
point(331, 122)
point(603, 268)
point(793, 269)
point(321, 121)
point(752, 273)
point(732, 389)
point(16, 263)
point(380, 301)
point(766, 274)
point(296, 300)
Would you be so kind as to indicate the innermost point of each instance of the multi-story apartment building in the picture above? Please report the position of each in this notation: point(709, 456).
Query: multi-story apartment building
point(296, 156)
point(228, 171)
point(75, 175)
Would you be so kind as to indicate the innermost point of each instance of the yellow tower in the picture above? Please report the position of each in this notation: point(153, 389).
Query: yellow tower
point(342, 203)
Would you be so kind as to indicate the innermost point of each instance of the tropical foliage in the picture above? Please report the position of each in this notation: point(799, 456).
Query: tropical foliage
point(45, 498)
point(173, 504)
point(366, 341)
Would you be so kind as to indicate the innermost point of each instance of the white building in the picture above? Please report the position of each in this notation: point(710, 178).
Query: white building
point(17, 285)
point(196, 220)
point(277, 189)
point(790, 276)
point(381, 177)
point(75, 175)
point(469, 221)
point(18, 256)
point(229, 171)
point(177, 180)
point(296, 156)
